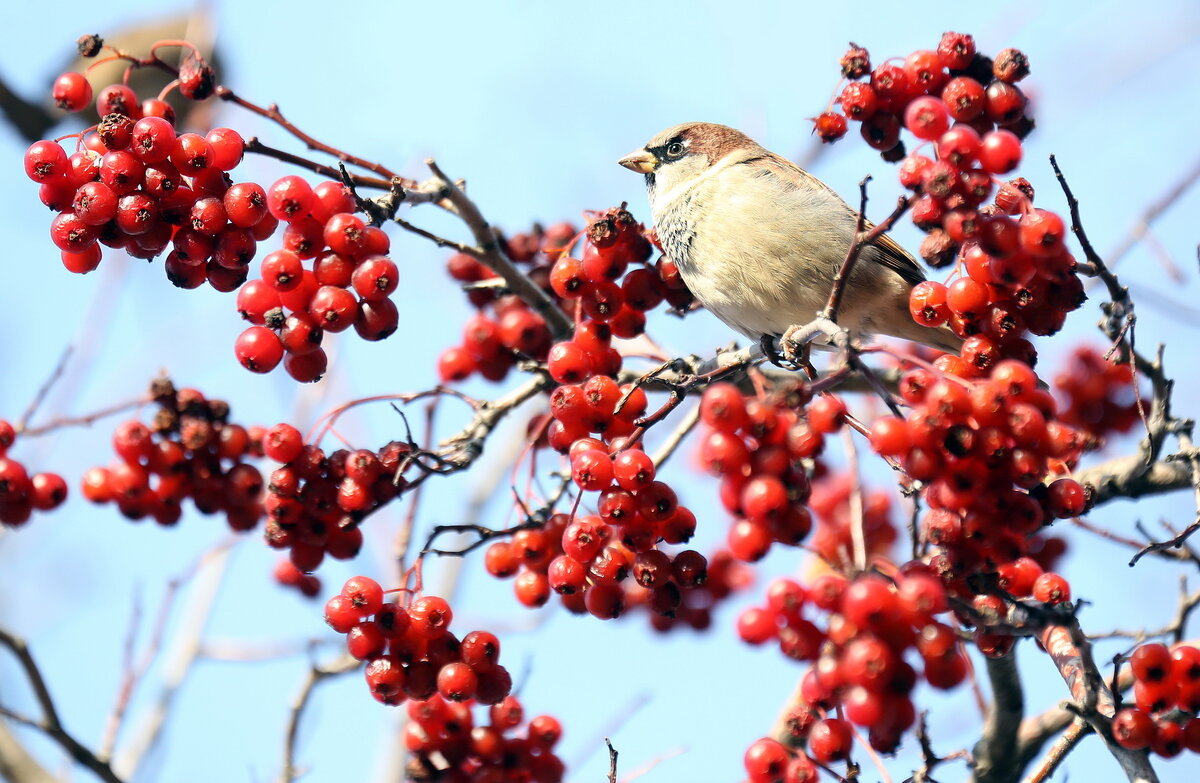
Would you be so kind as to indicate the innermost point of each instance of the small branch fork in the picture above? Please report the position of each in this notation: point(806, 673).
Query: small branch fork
point(863, 236)
point(51, 724)
point(1150, 472)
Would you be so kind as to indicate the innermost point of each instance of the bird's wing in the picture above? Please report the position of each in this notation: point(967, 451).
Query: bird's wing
point(889, 252)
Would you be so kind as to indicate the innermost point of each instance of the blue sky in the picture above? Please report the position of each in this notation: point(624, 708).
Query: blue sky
point(533, 103)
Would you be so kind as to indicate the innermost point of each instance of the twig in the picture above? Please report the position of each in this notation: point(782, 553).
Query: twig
point(1078, 729)
point(256, 146)
point(612, 761)
point(316, 674)
point(50, 724)
point(83, 421)
point(858, 538)
point(1070, 650)
point(44, 390)
point(273, 114)
point(177, 667)
point(685, 426)
point(1152, 213)
point(492, 255)
point(862, 237)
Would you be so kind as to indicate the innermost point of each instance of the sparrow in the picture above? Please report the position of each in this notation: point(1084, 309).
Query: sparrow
point(758, 240)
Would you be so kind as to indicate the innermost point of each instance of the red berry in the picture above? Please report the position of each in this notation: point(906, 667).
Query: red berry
point(830, 126)
point(830, 740)
point(999, 152)
point(927, 117)
point(258, 349)
point(766, 760)
point(290, 198)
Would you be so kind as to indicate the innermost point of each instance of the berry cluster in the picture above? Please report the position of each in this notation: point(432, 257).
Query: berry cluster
point(1166, 695)
point(136, 184)
point(928, 90)
point(504, 327)
point(447, 744)
point(588, 562)
point(410, 651)
point(609, 288)
point(859, 665)
point(1100, 394)
point(723, 576)
point(984, 449)
point(315, 501)
point(20, 493)
point(1015, 272)
point(292, 306)
point(756, 447)
point(189, 450)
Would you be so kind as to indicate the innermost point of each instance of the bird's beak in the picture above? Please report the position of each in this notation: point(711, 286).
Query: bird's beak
point(640, 161)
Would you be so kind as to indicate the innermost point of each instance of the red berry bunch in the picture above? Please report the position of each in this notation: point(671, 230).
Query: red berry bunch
point(410, 651)
point(1100, 394)
point(985, 450)
point(20, 493)
point(287, 575)
point(859, 668)
point(447, 744)
point(928, 90)
point(609, 290)
point(136, 184)
point(833, 538)
point(133, 184)
point(1166, 695)
point(527, 556)
point(756, 447)
point(315, 501)
point(723, 576)
point(598, 406)
point(1014, 274)
point(505, 327)
point(332, 273)
point(189, 450)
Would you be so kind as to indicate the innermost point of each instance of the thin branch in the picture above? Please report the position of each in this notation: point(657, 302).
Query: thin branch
point(612, 761)
point(862, 237)
point(1152, 213)
point(273, 113)
point(493, 256)
point(677, 436)
point(50, 724)
point(44, 390)
point(256, 146)
point(1078, 729)
point(316, 674)
point(187, 646)
point(994, 753)
point(83, 421)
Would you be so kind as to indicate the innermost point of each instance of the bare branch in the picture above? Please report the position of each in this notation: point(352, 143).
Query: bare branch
point(492, 254)
point(862, 237)
point(50, 724)
point(316, 675)
point(994, 753)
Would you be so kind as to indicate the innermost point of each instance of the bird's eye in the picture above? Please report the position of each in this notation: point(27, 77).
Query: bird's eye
point(675, 150)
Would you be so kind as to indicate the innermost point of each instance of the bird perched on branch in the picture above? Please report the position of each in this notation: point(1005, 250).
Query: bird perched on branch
point(758, 240)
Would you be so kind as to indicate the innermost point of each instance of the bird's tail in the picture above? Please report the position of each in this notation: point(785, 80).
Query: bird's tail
point(939, 337)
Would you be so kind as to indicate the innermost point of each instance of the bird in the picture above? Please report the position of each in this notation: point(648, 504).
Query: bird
point(758, 240)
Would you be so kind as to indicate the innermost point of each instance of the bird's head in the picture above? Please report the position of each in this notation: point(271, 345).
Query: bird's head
point(682, 153)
